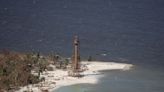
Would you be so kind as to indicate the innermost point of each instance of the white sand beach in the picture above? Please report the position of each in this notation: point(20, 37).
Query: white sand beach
point(58, 78)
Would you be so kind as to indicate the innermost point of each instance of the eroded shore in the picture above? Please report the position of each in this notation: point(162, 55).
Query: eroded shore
point(58, 78)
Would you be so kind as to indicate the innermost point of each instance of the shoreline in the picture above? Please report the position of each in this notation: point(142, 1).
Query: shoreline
point(59, 78)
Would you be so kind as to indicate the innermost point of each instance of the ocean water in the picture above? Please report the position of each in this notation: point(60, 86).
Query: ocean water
point(128, 31)
point(135, 80)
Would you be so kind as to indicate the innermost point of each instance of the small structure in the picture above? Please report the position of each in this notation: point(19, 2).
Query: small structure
point(75, 67)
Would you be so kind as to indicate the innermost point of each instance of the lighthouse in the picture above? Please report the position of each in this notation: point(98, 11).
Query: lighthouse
point(76, 55)
point(75, 66)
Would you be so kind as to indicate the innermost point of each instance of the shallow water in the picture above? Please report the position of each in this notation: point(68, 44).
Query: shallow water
point(136, 80)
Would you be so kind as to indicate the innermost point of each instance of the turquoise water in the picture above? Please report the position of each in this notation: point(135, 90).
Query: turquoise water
point(136, 80)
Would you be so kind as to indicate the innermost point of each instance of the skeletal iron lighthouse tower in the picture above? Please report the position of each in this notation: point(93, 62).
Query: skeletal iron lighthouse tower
point(76, 55)
point(75, 65)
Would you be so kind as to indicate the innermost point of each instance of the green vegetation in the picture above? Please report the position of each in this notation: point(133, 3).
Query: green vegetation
point(58, 61)
point(15, 69)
